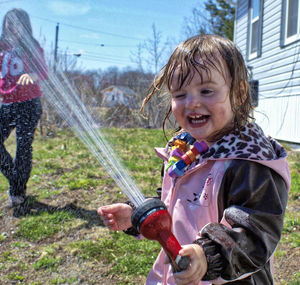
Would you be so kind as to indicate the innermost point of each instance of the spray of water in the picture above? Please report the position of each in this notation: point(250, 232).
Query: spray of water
point(60, 93)
point(62, 96)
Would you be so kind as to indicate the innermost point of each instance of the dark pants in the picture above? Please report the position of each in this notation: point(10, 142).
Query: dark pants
point(23, 116)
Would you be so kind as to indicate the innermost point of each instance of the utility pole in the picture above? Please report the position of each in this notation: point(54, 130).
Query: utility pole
point(56, 46)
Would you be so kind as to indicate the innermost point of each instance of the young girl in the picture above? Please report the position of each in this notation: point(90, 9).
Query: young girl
point(22, 65)
point(227, 205)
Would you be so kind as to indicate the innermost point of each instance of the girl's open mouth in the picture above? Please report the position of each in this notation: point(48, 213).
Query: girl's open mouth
point(198, 119)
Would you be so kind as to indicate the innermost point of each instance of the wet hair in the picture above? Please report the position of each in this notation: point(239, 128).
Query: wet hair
point(200, 54)
point(20, 17)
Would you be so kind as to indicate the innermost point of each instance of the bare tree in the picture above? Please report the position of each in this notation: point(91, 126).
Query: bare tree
point(67, 61)
point(197, 23)
point(155, 49)
point(152, 54)
point(137, 57)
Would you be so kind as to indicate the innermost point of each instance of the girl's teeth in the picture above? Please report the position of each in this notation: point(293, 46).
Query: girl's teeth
point(197, 121)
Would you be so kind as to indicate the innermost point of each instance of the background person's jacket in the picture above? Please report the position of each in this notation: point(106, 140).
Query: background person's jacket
point(13, 64)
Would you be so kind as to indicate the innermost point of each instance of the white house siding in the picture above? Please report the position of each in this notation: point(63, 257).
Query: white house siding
point(241, 26)
point(278, 72)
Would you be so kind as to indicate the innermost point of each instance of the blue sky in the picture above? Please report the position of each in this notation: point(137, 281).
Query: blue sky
point(86, 25)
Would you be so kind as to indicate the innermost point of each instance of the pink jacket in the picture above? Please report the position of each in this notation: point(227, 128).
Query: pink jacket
point(12, 66)
point(193, 199)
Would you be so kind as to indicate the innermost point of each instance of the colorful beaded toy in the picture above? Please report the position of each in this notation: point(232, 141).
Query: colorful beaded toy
point(180, 158)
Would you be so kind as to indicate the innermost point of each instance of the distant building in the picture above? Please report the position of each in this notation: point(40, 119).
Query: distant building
point(268, 35)
point(119, 95)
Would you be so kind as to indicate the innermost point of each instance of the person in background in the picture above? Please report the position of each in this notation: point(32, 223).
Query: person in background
point(228, 204)
point(22, 66)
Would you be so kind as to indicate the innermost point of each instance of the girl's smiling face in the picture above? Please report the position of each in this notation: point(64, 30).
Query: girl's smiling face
point(202, 107)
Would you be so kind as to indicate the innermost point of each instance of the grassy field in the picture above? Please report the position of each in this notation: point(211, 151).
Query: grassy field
point(59, 239)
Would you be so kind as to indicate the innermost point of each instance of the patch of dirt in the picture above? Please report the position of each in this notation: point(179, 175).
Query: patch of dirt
point(286, 266)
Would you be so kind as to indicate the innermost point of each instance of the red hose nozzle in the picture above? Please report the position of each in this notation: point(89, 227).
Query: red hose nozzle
point(154, 222)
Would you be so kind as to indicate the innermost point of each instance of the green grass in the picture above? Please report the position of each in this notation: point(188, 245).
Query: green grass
point(44, 225)
point(291, 229)
point(47, 262)
point(15, 276)
point(124, 256)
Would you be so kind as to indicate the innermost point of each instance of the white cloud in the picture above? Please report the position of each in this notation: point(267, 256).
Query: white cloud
point(65, 8)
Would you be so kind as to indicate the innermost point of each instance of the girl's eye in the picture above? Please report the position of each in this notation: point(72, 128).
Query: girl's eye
point(178, 96)
point(206, 92)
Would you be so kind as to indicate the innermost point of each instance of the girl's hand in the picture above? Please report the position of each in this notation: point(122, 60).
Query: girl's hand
point(117, 217)
point(198, 266)
point(26, 79)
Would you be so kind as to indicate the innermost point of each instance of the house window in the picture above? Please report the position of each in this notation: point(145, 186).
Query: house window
point(292, 21)
point(255, 28)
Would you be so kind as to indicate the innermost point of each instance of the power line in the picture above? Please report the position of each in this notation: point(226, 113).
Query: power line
point(98, 58)
point(93, 54)
point(98, 45)
point(90, 30)
point(88, 54)
point(101, 54)
point(106, 61)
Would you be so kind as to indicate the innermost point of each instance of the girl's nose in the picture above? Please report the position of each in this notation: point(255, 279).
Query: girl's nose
point(194, 101)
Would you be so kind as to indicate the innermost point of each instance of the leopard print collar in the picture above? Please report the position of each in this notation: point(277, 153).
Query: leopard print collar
point(250, 143)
